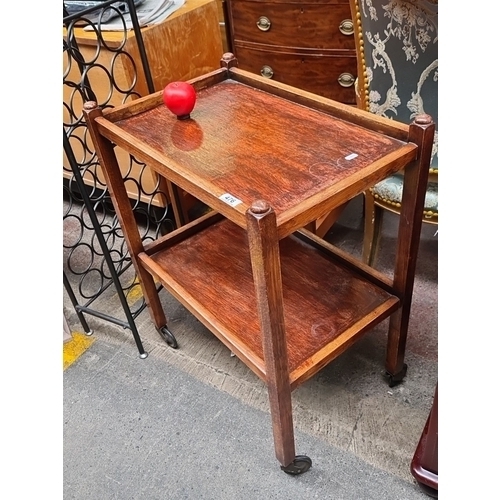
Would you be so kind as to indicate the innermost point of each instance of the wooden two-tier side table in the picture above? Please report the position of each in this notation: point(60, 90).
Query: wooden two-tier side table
point(269, 159)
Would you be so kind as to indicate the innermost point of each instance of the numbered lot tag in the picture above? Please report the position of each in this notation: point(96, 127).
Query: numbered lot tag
point(230, 199)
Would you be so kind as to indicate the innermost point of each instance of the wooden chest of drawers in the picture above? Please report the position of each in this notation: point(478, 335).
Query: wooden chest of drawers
point(308, 44)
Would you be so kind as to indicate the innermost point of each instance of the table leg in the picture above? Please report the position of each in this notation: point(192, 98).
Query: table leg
point(410, 225)
point(121, 203)
point(264, 254)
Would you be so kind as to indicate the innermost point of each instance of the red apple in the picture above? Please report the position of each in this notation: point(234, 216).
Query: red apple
point(180, 98)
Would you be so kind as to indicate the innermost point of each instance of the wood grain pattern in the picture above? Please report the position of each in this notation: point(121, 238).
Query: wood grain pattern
point(252, 145)
point(267, 279)
point(303, 69)
point(123, 208)
point(286, 304)
point(184, 46)
point(307, 44)
point(322, 300)
point(353, 115)
point(410, 224)
point(306, 25)
point(187, 44)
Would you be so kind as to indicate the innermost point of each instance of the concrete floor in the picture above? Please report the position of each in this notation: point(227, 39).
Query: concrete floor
point(194, 422)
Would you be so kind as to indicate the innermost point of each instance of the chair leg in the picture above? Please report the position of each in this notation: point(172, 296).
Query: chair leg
point(372, 228)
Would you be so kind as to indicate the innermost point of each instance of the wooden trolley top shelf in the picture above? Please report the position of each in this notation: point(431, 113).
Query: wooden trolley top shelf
point(243, 144)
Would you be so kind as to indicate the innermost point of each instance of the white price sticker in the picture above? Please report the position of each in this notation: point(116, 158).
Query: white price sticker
point(230, 199)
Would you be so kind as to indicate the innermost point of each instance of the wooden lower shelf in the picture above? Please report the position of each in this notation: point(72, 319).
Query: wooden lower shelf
point(326, 306)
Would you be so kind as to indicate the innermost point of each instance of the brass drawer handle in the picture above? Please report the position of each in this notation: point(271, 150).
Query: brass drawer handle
point(264, 23)
point(346, 80)
point(346, 27)
point(267, 71)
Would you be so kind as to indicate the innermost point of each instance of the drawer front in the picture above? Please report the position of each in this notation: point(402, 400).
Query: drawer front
point(301, 25)
point(328, 75)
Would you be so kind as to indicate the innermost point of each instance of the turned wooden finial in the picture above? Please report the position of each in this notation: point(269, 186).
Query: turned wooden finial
point(260, 207)
point(89, 105)
point(423, 119)
point(228, 60)
point(227, 56)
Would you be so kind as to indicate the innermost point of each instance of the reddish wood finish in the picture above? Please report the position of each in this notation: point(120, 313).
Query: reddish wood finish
point(424, 465)
point(220, 253)
point(410, 225)
point(209, 156)
point(307, 25)
point(304, 70)
point(305, 43)
point(121, 202)
point(265, 258)
point(285, 302)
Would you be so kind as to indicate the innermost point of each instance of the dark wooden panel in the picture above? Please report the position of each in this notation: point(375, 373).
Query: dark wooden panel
point(309, 43)
point(314, 26)
point(317, 73)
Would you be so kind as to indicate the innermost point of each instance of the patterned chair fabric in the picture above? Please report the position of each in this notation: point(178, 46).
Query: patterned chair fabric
point(397, 47)
point(398, 70)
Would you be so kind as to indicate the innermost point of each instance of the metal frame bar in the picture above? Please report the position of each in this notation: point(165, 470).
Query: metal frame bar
point(79, 189)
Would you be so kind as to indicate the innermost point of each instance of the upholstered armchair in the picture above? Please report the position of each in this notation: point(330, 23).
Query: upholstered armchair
point(397, 49)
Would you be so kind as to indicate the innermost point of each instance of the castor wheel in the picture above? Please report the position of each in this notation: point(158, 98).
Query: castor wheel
point(168, 337)
point(395, 379)
point(300, 464)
